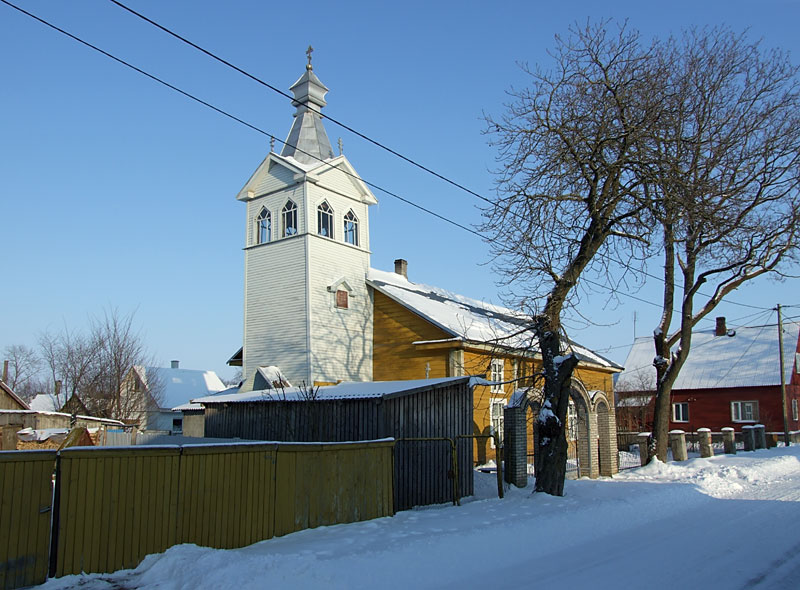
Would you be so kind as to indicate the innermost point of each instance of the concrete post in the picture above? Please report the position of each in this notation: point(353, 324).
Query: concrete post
point(677, 442)
point(644, 439)
point(729, 440)
point(761, 436)
point(704, 438)
point(749, 437)
point(515, 447)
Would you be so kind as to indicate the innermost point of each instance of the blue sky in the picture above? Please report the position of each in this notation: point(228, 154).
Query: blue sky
point(117, 192)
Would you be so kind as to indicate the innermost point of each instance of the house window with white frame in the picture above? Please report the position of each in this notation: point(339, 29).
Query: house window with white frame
point(351, 228)
point(496, 376)
point(794, 409)
point(289, 219)
point(572, 421)
point(496, 406)
point(325, 220)
point(744, 411)
point(263, 227)
point(680, 412)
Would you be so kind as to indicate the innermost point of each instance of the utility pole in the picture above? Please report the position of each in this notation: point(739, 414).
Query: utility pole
point(783, 379)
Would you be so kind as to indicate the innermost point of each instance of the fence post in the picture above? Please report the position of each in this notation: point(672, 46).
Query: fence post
point(644, 440)
point(729, 440)
point(515, 446)
point(677, 441)
point(761, 436)
point(749, 436)
point(704, 438)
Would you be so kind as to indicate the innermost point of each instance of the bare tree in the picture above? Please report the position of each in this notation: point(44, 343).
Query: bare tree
point(121, 348)
point(23, 369)
point(570, 197)
point(95, 364)
point(71, 359)
point(723, 184)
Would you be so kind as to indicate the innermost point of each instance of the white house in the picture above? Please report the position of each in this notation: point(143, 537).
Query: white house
point(172, 387)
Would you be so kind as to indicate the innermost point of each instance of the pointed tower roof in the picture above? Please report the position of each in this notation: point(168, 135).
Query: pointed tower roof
point(308, 142)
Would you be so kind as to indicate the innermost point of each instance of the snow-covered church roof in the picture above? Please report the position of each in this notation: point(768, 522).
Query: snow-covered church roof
point(468, 319)
point(746, 357)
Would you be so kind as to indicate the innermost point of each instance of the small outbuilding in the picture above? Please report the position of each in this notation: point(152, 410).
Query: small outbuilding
point(431, 419)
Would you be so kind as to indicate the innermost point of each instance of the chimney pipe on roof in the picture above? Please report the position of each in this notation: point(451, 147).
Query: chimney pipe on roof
point(401, 267)
point(5, 371)
point(721, 328)
point(175, 364)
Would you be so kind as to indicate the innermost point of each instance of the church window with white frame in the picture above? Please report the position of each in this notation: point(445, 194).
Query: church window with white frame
point(325, 220)
point(289, 219)
point(351, 228)
point(496, 376)
point(263, 226)
point(496, 406)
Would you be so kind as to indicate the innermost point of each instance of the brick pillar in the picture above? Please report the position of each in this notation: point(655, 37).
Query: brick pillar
point(677, 442)
point(729, 440)
point(588, 455)
point(749, 437)
point(704, 437)
point(515, 447)
point(644, 440)
point(760, 435)
point(607, 441)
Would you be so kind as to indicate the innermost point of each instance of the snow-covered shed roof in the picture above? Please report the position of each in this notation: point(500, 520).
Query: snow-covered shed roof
point(344, 390)
point(181, 385)
point(465, 318)
point(748, 357)
point(44, 402)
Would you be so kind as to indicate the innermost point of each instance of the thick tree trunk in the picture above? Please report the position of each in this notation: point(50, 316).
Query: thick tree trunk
point(551, 450)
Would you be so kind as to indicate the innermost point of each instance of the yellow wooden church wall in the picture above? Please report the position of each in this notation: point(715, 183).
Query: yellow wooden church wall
point(396, 358)
point(394, 355)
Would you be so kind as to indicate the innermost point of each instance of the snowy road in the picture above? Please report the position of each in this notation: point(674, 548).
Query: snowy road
point(727, 522)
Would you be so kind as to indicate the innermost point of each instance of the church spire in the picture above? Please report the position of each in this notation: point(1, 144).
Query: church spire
point(308, 142)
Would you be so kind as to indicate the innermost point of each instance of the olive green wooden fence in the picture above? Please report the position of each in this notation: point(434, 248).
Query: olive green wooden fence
point(26, 489)
point(115, 506)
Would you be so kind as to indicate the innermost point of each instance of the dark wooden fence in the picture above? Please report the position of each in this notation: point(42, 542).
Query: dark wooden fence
point(424, 470)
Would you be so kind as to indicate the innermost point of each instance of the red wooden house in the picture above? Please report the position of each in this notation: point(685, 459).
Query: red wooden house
point(732, 378)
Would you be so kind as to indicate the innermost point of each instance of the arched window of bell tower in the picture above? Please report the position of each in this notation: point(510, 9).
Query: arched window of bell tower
point(351, 228)
point(289, 219)
point(325, 220)
point(263, 226)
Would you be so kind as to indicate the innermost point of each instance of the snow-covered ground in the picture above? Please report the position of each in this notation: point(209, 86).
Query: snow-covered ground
point(726, 522)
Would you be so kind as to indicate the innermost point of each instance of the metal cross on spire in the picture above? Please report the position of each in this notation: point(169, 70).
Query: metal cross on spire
point(309, 51)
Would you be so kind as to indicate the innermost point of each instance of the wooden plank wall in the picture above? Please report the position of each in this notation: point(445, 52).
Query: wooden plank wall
point(320, 485)
point(117, 505)
point(312, 421)
point(25, 499)
point(225, 497)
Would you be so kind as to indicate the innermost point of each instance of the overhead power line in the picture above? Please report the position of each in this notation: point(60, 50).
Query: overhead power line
point(233, 117)
point(335, 121)
point(327, 117)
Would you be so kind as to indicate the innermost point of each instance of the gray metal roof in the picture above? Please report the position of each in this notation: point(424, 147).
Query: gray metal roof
point(748, 358)
point(308, 141)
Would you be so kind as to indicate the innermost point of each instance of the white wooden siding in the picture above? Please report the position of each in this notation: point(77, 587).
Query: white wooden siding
point(341, 339)
point(276, 179)
point(275, 315)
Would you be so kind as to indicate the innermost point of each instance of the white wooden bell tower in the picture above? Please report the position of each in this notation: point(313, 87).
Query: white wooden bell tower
point(307, 308)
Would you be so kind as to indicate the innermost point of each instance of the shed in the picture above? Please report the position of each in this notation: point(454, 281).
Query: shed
point(439, 410)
